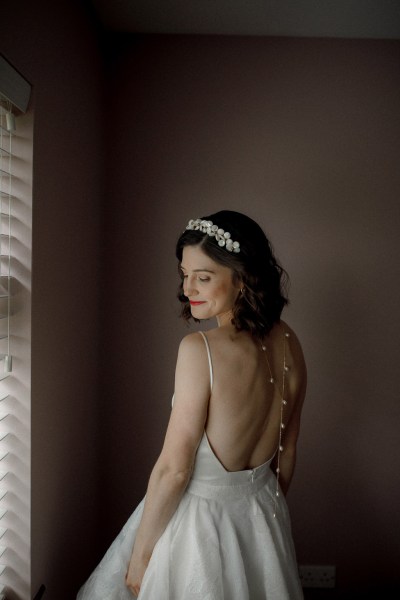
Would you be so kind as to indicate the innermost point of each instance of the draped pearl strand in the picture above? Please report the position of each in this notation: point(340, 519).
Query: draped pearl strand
point(283, 403)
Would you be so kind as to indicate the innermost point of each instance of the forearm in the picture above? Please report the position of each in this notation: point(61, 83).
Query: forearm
point(164, 492)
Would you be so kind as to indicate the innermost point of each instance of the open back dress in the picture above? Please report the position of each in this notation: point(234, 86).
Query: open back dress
point(229, 539)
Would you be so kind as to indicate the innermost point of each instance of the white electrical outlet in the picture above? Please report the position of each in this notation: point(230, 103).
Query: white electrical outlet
point(317, 576)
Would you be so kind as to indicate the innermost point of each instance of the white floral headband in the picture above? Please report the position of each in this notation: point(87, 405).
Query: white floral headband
point(223, 237)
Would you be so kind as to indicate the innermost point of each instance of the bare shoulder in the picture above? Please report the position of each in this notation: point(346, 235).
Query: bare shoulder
point(192, 370)
point(191, 343)
point(293, 335)
point(296, 349)
point(192, 353)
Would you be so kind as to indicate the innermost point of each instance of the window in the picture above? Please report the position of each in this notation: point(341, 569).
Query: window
point(15, 285)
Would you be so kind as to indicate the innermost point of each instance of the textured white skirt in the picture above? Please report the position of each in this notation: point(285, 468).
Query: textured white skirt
point(222, 543)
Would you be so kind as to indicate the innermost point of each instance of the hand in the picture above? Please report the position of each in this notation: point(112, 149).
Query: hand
point(135, 574)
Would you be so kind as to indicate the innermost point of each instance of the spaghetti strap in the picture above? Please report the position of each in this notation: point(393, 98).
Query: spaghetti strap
point(209, 358)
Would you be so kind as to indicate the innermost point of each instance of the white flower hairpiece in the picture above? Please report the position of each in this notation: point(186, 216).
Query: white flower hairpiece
point(223, 237)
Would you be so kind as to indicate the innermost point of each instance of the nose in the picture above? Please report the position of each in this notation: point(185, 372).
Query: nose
point(189, 288)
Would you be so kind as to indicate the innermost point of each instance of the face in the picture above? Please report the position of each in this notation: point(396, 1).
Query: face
point(207, 284)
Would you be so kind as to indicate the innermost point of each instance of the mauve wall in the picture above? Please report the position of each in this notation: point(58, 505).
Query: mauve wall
point(54, 46)
point(304, 136)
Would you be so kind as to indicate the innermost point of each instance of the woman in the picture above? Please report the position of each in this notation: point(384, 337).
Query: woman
point(214, 524)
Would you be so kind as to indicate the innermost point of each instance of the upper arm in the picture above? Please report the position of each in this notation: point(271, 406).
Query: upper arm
point(189, 411)
point(293, 427)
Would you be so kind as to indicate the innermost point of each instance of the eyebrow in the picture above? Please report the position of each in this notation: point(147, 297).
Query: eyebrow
point(199, 270)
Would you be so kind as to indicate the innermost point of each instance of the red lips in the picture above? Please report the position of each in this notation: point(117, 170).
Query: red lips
point(194, 303)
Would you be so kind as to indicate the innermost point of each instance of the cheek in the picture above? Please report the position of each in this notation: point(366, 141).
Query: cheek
point(220, 289)
point(227, 292)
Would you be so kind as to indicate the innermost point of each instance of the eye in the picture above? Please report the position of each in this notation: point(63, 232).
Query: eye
point(203, 279)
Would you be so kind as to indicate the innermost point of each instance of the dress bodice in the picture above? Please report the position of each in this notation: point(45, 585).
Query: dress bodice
point(210, 479)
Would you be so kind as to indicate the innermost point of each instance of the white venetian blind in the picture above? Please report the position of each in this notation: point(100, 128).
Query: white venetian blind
point(15, 236)
point(7, 128)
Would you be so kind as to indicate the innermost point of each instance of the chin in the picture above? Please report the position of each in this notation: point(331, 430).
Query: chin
point(198, 313)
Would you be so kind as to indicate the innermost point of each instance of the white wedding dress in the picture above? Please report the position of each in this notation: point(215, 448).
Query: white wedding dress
point(222, 543)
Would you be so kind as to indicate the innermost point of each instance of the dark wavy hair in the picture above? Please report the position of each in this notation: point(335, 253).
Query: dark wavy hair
point(264, 281)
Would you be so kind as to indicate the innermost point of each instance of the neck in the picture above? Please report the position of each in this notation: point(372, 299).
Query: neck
point(224, 318)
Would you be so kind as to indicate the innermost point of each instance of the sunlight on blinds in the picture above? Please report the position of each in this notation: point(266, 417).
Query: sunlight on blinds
point(15, 267)
point(6, 131)
point(7, 128)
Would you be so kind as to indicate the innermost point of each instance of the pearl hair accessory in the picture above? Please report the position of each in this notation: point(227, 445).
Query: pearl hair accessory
point(223, 237)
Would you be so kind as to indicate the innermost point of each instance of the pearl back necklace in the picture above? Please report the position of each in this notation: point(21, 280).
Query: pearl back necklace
point(283, 403)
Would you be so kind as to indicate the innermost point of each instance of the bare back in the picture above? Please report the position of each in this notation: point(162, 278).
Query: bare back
point(244, 417)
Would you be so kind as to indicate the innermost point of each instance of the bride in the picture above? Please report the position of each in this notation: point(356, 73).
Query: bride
point(214, 524)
